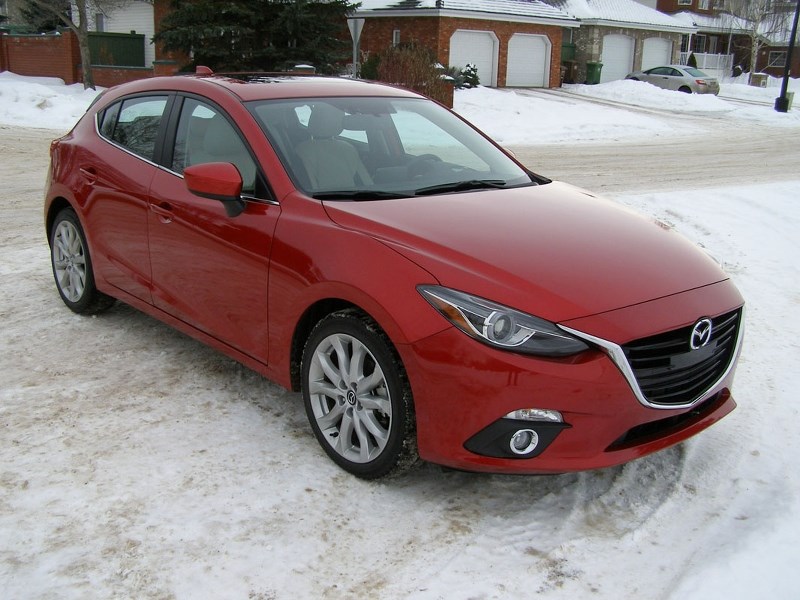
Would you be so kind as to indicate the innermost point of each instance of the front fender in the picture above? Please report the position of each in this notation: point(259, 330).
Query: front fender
point(348, 267)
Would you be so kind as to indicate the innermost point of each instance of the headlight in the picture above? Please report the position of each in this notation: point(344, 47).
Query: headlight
point(499, 325)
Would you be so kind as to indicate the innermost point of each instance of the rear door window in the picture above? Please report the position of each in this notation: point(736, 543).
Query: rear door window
point(134, 124)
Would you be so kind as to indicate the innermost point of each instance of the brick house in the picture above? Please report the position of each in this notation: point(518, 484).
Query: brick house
point(722, 41)
point(772, 57)
point(512, 42)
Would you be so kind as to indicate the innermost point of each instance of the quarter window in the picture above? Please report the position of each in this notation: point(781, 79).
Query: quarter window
point(134, 124)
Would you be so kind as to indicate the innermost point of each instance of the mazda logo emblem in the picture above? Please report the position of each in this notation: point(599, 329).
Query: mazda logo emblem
point(701, 334)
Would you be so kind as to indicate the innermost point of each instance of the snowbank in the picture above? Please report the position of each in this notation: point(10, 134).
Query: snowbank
point(43, 102)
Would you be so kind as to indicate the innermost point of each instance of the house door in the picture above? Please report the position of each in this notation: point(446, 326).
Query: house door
point(617, 57)
point(478, 48)
point(528, 61)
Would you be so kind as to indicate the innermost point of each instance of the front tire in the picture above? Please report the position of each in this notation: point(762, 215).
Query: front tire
point(72, 266)
point(357, 396)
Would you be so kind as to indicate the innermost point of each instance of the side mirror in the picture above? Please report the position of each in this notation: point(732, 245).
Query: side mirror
point(217, 181)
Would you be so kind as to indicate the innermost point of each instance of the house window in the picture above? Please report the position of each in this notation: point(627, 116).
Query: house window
point(685, 2)
point(396, 37)
point(100, 22)
point(3, 8)
point(704, 4)
point(777, 59)
point(699, 43)
point(713, 43)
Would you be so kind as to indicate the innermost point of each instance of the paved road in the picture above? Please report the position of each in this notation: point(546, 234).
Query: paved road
point(720, 154)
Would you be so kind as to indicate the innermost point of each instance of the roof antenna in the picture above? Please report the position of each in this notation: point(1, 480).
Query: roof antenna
point(201, 70)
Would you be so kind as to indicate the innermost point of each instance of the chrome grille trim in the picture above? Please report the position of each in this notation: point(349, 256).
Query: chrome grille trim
point(617, 354)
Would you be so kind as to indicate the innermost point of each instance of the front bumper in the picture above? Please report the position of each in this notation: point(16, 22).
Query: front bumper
point(463, 389)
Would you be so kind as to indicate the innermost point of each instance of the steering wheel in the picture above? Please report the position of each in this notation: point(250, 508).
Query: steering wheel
point(422, 165)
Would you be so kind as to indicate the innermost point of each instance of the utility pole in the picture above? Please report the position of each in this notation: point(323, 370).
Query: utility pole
point(782, 101)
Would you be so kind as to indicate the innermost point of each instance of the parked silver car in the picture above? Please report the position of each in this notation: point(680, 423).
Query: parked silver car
point(678, 77)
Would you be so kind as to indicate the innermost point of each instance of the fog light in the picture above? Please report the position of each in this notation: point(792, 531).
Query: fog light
point(524, 441)
point(536, 414)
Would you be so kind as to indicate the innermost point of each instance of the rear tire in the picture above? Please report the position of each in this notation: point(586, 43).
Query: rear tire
point(685, 89)
point(72, 266)
point(357, 396)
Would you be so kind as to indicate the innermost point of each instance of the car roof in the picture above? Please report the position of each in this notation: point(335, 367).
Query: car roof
point(249, 87)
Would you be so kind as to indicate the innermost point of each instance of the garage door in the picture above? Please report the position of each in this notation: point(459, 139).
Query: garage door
point(656, 52)
point(528, 61)
point(617, 57)
point(478, 48)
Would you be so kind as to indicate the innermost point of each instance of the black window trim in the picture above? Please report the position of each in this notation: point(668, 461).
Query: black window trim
point(167, 131)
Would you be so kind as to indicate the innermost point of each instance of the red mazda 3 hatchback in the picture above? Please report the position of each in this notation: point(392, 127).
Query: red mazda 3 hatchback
point(429, 295)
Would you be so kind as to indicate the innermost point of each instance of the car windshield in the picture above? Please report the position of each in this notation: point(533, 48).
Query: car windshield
point(375, 148)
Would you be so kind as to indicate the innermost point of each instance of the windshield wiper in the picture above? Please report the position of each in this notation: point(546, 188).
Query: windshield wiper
point(461, 186)
point(358, 195)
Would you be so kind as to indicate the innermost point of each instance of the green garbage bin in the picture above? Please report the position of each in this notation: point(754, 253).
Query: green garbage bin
point(593, 72)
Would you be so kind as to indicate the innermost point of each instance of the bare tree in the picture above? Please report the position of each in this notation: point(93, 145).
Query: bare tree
point(65, 11)
point(761, 21)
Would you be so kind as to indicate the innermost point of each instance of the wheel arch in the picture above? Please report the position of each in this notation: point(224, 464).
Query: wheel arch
point(308, 320)
point(315, 313)
point(56, 206)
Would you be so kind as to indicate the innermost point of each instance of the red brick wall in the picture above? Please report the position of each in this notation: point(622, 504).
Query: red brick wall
point(3, 53)
point(42, 55)
point(58, 56)
point(111, 76)
point(435, 33)
point(672, 6)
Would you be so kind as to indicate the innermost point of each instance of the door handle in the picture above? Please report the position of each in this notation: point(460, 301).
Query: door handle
point(163, 210)
point(89, 174)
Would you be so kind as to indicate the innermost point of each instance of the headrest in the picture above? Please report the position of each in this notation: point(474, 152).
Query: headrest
point(325, 121)
point(220, 139)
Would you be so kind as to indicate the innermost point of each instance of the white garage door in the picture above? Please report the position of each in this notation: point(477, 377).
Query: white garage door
point(656, 52)
point(478, 48)
point(617, 57)
point(528, 61)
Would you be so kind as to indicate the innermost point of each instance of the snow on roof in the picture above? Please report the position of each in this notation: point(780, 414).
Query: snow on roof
point(719, 23)
point(627, 12)
point(517, 8)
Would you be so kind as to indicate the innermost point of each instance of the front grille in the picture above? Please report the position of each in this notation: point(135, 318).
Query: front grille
point(669, 372)
point(648, 432)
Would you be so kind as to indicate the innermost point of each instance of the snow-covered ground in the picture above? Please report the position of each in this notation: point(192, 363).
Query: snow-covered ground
point(134, 462)
point(521, 117)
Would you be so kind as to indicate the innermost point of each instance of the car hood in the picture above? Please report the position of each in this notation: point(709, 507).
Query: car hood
point(552, 250)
